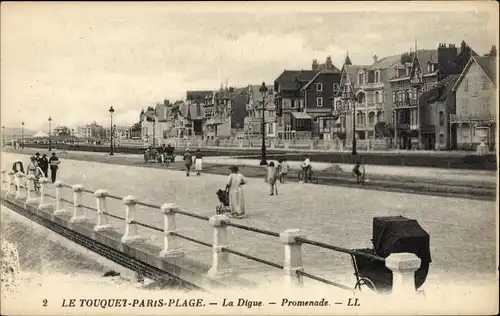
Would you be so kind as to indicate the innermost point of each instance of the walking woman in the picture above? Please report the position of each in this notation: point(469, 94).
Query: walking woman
point(188, 161)
point(235, 181)
point(198, 162)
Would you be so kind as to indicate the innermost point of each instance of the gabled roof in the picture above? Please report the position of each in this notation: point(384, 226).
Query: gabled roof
point(440, 90)
point(423, 57)
point(287, 78)
point(386, 62)
point(255, 93)
point(198, 95)
point(324, 71)
point(351, 71)
point(486, 63)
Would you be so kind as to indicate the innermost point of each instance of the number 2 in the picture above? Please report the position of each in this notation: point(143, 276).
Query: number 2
point(45, 302)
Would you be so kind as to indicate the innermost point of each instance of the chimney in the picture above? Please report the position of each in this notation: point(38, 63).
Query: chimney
point(315, 64)
point(329, 62)
point(375, 58)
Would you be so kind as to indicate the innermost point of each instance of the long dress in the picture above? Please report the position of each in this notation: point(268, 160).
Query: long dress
point(198, 162)
point(236, 196)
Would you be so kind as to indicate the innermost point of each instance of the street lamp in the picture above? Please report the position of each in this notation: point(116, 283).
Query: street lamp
point(350, 100)
point(263, 91)
point(22, 135)
point(111, 111)
point(50, 132)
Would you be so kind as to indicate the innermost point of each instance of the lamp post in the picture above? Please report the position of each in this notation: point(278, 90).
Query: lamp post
point(263, 91)
point(22, 135)
point(50, 132)
point(111, 111)
point(350, 101)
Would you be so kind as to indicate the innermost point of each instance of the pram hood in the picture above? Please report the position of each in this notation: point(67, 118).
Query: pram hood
point(395, 234)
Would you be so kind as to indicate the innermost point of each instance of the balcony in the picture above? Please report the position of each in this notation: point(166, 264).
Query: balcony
point(454, 118)
point(375, 106)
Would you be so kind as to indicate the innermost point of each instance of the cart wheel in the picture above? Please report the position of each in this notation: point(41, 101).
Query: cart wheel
point(367, 282)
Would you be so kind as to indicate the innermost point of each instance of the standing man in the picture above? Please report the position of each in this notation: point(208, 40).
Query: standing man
point(188, 161)
point(43, 163)
point(37, 157)
point(54, 165)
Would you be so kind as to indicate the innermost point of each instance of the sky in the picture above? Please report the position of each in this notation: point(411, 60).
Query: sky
point(72, 61)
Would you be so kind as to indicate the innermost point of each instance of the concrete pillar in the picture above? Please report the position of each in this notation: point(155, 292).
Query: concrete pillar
point(293, 257)
point(59, 209)
point(30, 189)
point(78, 214)
point(171, 247)
point(21, 186)
point(403, 266)
point(43, 192)
point(102, 219)
point(12, 184)
point(220, 259)
point(131, 233)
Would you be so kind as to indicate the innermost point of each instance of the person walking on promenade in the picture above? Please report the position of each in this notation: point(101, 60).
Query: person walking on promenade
point(37, 157)
point(198, 162)
point(283, 169)
point(44, 165)
point(54, 165)
point(272, 178)
point(235, 181)
point(188, 161)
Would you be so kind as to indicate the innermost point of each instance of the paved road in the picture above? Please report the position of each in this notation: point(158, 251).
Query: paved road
point(462, 231)
point(438, 182)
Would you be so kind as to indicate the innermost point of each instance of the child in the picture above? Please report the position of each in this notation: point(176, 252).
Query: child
point(272, 177)
point(283, 170)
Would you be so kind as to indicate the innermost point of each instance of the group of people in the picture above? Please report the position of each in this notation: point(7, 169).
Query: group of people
point(189, 160)
point(39, 167)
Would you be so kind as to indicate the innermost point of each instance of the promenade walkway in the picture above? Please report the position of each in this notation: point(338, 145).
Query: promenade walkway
point(438, 174)
point(462, 231)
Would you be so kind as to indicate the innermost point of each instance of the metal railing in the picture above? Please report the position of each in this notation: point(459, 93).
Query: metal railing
point(292, 239)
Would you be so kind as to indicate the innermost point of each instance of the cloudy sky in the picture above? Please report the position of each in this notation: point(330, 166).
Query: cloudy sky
point(72, 61)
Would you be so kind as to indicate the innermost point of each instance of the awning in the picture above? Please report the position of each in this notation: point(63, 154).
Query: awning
point(213, 122)
point(301, 116)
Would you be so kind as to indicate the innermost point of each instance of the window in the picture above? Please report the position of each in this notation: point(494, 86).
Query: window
point(485, 83)
point(292, 104)
point(377, 97)
point(466, 84)
point(394, 96)
point(441, 118)
point(441, 138)
point(319, 102)
point(361, 79)
point(319, 87)
point(377, 76)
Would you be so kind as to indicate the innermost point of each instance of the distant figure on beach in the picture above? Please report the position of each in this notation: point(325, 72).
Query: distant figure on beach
point(198, 162)
point(188, 161)
point(54, 166)
point(283, 169)
point(272, 178)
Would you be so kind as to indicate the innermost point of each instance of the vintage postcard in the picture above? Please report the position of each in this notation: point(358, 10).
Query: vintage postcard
point(257, 158)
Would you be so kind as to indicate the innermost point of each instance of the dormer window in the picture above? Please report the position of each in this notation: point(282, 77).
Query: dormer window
point(408, 69)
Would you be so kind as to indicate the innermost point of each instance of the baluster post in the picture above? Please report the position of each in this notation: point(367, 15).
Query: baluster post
point(20, 186)
point(293, 257)
point(131, 233)
point(171, 243)
point(220, 259)
point(43, 192)
point(30, 189)
point(403, 266)
point(59, 210)
point(12, 184)
point(102, 219)
point(78, 214)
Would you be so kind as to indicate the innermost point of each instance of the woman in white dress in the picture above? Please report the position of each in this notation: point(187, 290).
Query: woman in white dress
point(198, 162)
point(235, 182)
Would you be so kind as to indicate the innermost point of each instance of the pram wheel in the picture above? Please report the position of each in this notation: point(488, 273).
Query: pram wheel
point(367, 282)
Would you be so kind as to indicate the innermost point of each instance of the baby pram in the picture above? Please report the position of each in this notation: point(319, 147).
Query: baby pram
point(393, 234)
point(223, 196)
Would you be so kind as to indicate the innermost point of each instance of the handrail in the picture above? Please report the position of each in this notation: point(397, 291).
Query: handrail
point(146, 225)
point(253, 229)
point(339, 249)
point(311, 276)
point(269, 263)
point(191, 239)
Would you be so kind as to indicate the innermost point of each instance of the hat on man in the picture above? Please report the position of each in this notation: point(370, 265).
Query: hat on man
point(37, 154)
point(233, 168)
point(44, 155)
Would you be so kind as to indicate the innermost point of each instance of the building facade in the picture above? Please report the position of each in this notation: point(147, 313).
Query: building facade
point(253, 119)
point(92, 130)
point(476, 103)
